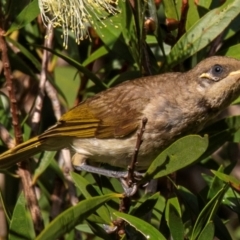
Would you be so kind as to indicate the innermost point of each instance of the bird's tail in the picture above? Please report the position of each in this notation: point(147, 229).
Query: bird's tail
point(29, 148)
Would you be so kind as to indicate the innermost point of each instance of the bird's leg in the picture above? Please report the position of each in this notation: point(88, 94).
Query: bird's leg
point(108, 173)
point(121, 175)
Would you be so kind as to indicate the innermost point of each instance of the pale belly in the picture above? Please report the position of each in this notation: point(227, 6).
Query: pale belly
point(118, 152)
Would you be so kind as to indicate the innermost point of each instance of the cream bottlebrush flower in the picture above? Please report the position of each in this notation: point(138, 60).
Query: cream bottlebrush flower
point(76, 15)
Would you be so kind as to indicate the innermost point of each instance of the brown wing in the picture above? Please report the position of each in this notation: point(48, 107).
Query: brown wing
point(115, 112)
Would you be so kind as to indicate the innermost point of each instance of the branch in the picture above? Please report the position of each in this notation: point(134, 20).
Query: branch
point(43, 78)
point(24, 169)
point(130, 177)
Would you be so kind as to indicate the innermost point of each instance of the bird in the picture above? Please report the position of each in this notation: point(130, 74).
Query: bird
point(104, 128)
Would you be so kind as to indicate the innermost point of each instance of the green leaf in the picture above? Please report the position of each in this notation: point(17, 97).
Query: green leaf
point(171, 9)
point(67, 79)
point(203, 32)
point(205, 3)
point(26, 69)
point(232, 181)
point(26, 52)
point(129, 30)
point(216, 185)
point(208, 232)
point(146, 204)
point(143, 227)
point(84, 228)
point(232, 200)
point(180, 154)
point(67, 220)
point(29, 13)
point(231, 31)
point(100, 52)
point(19, 64)
point(89, 191)
point(109, 185)
point(21, 226)
point(4, 207)
point(192, 15)
point(158, 210)
point(78, 66)
point(173, 218)
point(208, 213)
point(190, 200)
point(231, 51)
point(173, 201)
point(112, 37)
point(99, 231)
point(44, 163)
point(234, 125)
point(220, 132)
point(221, 230)
point(85, 187)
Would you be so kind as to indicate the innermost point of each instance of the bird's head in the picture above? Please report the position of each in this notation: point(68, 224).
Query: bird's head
point(218, 80)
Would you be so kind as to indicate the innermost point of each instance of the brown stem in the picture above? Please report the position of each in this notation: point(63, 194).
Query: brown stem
point(10, 88)
point(182, 23)
point(130, 177)
point(53, 96)
point(216, 44)
point(5, 137)
point(125, 202)
point(24, 169)
point(43, 78)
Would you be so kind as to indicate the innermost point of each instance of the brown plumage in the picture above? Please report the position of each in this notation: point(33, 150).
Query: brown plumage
point(104, 127)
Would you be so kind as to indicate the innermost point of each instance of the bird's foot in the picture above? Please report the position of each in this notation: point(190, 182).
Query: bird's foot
point(129, 188)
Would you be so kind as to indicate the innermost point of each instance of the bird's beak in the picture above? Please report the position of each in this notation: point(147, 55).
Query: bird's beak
point(234, 73)
point(205, 75)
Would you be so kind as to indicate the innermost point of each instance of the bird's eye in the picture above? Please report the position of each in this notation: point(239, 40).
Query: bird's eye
point(217, 70)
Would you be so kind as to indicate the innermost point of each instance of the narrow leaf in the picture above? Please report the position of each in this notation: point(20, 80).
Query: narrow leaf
point(203, 32)
point(21, 226)
point(147, 230)
point(234, 182)
point(29, 13)
point(78, 66)
point(216, 185)
point(4, 207)
point(208, 213)
point(44, 163)
point(89, 191)
point(67, 220)
point(208, 232)
point(173, 218)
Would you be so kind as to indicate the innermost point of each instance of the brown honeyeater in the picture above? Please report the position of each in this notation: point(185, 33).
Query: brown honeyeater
point(104, 128)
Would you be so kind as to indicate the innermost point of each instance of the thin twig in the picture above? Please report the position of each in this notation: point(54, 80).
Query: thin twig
point(182, 23)
point(216, 44)
point(53, 95)
point(57, 197)
point(10, 88)
point(132, 2)
point(24, 169)
point(6, 137)
point(71, 188)
point(125, 202)
point(43, 78)
point(130, 177)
